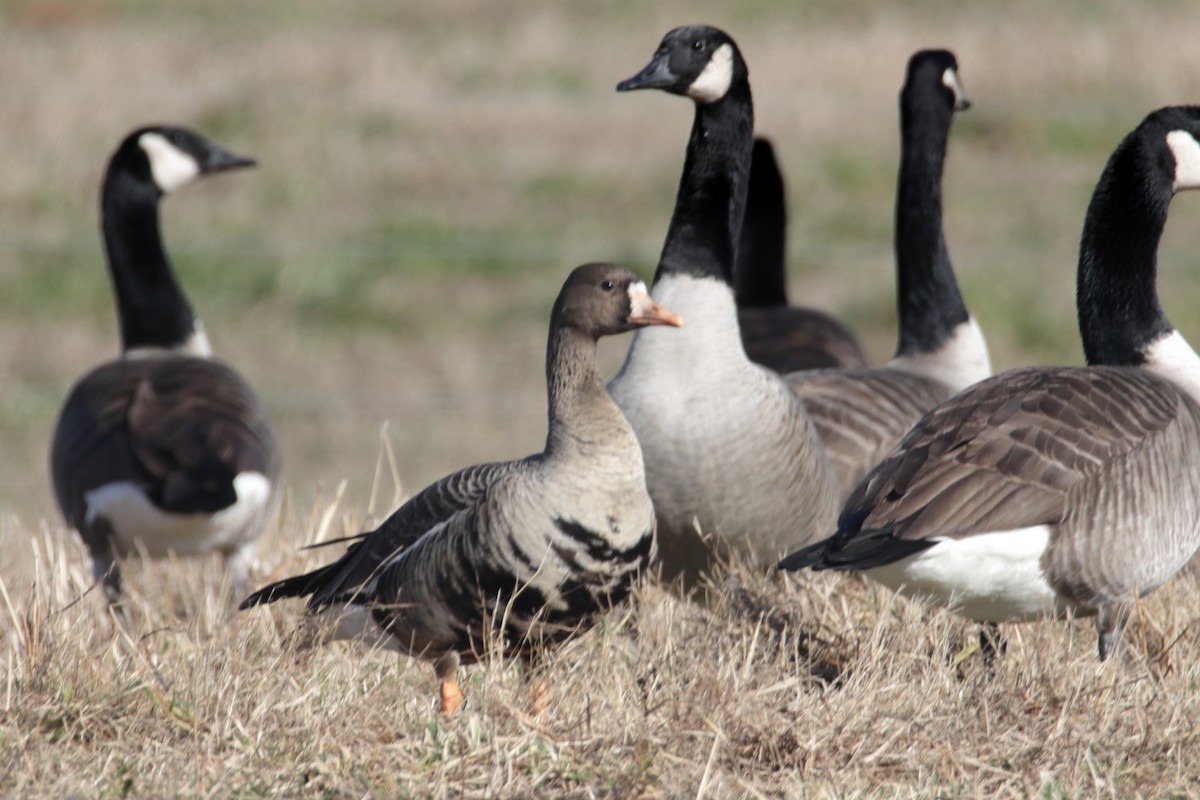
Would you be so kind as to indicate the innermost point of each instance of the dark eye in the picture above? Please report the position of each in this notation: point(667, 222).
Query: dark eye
point(698, 45)
point(608, 286)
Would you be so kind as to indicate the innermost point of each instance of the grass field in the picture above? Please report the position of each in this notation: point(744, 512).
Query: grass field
point(429, 173)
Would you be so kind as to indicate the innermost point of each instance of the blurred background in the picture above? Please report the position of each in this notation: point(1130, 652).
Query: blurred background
point(430, 172)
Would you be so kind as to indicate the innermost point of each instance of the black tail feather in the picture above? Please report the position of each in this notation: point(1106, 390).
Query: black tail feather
point(296, 586)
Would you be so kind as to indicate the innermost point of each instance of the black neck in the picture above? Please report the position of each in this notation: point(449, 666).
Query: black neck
point(151, 306)
point(760, 278)
point(928, 301)
point(712, 192)
point(574, 386)
point(1119, 313)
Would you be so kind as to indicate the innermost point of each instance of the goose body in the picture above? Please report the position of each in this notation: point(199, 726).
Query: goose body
point(779, 336)
point(861, 413)
point(1047, 490)
point(528, 550)
point(729, 450)
point(165, 449)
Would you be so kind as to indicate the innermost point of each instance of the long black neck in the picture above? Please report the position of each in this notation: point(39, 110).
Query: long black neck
point(709, 207)
point(928, 301)
point(575, 390)
point(153, 309)
point(760, 277)
point(1119, 312)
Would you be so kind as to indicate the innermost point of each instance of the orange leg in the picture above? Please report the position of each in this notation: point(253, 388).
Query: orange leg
point(539, 698)
point(449, 693)
point(451, 696)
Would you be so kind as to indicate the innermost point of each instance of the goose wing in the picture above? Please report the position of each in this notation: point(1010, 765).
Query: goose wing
point(1010, 452)
point(861, 414)
point(363, 562)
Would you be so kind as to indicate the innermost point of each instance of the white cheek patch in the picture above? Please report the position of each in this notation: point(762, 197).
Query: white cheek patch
point(712, 84)
point(170, 166)
point(1186, 150)
point(950, 81)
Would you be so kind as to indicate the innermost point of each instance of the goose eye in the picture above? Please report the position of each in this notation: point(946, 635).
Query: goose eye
point(607, 286)
point(698, 45)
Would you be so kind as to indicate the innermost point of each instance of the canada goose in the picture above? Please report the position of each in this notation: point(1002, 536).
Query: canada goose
point(729, 449)
point(531, 550)
point(861, 413)
point(778, 336)
point(164, 449)
point(1050, 490)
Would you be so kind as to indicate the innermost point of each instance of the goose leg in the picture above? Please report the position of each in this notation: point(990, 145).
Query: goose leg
point(450, 695)
point(105, 569)
point(539, 690)
point(237, 567)
point(1110, 622)
point(991, 642)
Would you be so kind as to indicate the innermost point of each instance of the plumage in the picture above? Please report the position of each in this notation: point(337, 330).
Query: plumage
point(861, 413)
point(528, 551)
point(164, 449)
point(1085, 481)
point(729, 450)
point(779, 336)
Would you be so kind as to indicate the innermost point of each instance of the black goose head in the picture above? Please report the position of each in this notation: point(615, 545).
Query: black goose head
point(163, 158)
point(936, 70)
point(606, 299)
point(696, 61)
point(1117, 300)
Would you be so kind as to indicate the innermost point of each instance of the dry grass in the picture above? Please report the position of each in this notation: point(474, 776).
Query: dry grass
point(824, 687)
point(429, 174)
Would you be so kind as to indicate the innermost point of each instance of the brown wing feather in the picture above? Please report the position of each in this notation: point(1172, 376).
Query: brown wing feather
point(787, 339)
point(861, 414)
point(1006, 453)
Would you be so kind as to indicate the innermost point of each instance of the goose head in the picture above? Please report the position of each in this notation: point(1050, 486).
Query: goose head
point(937, 68)
point(164, 158)
point(606, 299)
point(696, 61)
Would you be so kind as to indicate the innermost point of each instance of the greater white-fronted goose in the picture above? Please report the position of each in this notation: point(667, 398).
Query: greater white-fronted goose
point(729, 448)
point(779, 336)
point(164, 450)
point(1051, 490)
point(522, 552)
point(861, 413)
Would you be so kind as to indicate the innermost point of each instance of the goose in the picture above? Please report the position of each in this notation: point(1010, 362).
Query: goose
point(778, 336)
point(1046, 491)
point(729, 449)
point(531, 550)
point(861, 413)
point(164, 449)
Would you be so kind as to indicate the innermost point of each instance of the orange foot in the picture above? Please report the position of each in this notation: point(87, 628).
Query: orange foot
point(539, 698)
point(452, 697)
